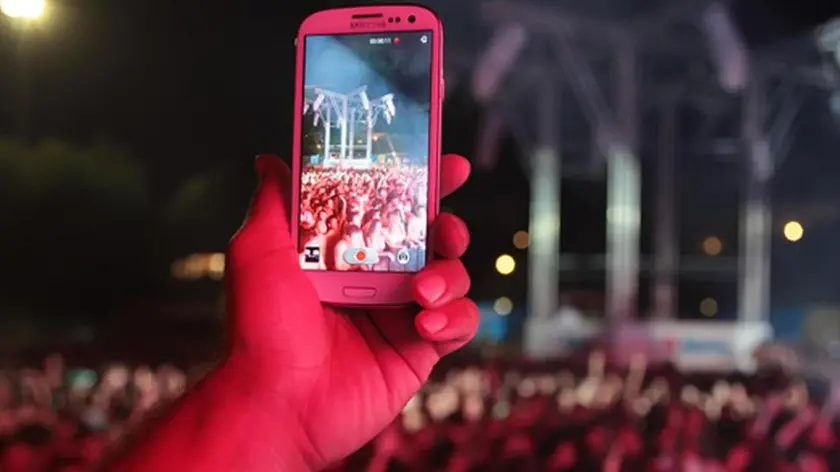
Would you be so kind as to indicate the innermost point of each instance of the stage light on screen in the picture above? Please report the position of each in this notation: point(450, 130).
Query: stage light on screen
point(23, 9)
point(319, 100)
point(505, 264)
point(503, 306)
point(389, 104)
point(709, 307)
point(521, 240)
point(793, 231)
point(712, 246)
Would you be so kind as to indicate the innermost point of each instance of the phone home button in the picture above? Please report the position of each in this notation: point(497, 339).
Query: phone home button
point(359, 292)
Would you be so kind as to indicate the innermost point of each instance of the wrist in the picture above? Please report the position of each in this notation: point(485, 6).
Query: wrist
point(274, 420)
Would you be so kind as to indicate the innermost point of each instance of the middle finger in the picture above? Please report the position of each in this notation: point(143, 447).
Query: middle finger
point(451, 236)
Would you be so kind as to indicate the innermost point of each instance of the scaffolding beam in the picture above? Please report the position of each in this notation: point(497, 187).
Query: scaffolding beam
point(756, 223)
point(624, 194)
point(666, 252)
point(542, 21)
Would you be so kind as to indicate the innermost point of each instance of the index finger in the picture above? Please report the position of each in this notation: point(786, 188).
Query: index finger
point(454, 171)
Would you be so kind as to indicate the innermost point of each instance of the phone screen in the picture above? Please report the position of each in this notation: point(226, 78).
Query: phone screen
point(365, 152)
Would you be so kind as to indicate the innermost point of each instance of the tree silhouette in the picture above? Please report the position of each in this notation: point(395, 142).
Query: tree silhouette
point(74, 227)
point(207, 209)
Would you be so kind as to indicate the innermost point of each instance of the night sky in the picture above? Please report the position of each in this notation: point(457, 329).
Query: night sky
point(199, 87)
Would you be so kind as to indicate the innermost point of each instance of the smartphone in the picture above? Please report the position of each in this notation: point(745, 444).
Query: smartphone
point(368, 97)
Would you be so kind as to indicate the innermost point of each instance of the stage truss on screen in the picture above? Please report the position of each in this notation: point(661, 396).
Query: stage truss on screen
point(354, 115)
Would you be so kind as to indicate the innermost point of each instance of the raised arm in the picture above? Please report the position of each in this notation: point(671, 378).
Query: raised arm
point(305, 384)
point(229, 421)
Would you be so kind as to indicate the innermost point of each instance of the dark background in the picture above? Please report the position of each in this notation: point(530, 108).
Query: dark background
point(133, 125)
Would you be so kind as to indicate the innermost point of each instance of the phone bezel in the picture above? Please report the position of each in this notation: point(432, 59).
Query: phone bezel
point(390, 288)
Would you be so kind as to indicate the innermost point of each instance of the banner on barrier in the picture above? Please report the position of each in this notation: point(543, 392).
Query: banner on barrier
point(704, 346)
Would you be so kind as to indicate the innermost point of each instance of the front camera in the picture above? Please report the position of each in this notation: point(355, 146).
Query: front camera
point(412, 19)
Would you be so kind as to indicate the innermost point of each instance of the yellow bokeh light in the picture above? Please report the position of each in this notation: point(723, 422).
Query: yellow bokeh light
point(793, 231)
point(709, 307)
point(216, 262)
point(503, 306)
point(198, 266)
point(712, 246)
point(521, 240)
point(23, 9)
point(505, 264)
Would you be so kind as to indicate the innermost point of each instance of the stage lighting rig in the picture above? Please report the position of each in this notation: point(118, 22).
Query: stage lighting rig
point(319, 100)
point(727, 48)
point(388, 100)
point(828, 40)
point(501, 55)
point(349, 113)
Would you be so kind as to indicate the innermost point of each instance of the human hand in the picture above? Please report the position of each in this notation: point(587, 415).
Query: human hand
point(338, 376)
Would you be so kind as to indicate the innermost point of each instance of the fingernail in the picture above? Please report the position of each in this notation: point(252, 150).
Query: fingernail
point(433, 322)
point(431, 288)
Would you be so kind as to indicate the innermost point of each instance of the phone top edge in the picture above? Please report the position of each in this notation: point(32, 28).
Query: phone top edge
point(340, 20)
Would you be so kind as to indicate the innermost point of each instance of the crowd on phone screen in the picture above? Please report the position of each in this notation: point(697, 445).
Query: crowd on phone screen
point(382, 209)
point(546, 417)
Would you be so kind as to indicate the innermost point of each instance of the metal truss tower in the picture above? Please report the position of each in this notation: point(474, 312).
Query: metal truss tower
point(348, 111)
point(614, 107)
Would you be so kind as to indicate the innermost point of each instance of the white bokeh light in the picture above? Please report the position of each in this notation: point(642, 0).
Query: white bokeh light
point(24, 9)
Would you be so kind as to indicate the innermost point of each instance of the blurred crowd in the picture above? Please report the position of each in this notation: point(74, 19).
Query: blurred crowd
point(54, 419)
point(606, 418)
point(586, 416)
point(382, 209)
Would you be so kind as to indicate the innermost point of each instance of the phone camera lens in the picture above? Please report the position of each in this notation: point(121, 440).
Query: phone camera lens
point(412, 19)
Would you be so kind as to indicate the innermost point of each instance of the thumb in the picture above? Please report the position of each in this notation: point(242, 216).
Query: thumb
point(266, 228)
point(271, 204)
point(272, 306)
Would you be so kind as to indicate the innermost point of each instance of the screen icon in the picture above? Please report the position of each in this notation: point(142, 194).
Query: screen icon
point(361, 256)
point(312, 254)
point(424, 39)
point(403, 256)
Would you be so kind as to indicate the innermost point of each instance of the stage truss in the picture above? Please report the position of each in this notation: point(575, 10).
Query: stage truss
point(355, 115)
point(541, 51)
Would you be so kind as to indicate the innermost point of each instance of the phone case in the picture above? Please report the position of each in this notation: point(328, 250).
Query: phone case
point(361, 289)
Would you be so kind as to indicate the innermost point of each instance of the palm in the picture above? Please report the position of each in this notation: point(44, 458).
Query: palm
point(369, 378)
